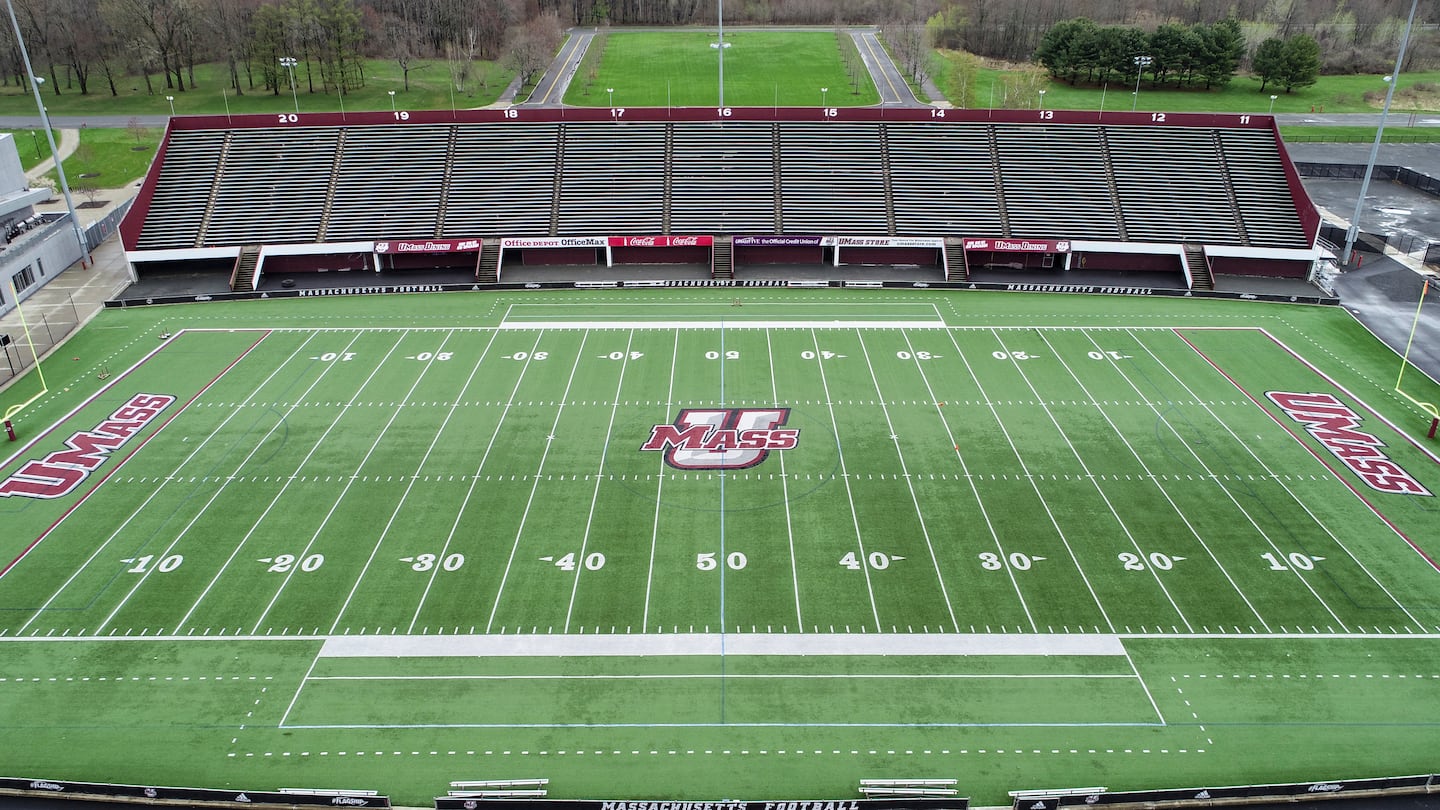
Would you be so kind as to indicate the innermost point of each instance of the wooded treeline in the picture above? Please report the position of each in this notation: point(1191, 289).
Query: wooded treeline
point(89, 46)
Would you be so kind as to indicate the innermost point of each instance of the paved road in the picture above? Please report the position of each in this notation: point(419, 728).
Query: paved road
point(889, 81)
point(550, 90)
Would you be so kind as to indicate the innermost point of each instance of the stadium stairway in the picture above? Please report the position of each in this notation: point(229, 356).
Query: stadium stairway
point(214, 191)
point(487, 265)
point(722, 258)
point(999, 181)
point(1200, 277)
point(955, 267)
point(243, 277)
point(330, 187)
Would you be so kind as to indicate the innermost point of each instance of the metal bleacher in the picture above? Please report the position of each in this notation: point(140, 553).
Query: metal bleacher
point(1199, 185)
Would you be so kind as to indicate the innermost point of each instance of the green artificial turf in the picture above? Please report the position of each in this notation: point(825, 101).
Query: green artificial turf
point(391, 543)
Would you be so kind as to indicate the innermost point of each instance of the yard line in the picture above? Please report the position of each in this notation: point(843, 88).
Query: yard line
point(350, 481)
point(1277, 479)
point(1034, 484)
point(778, 676)
point(599, 476)
point(299, 687)
point(845, 476)
point(164, 482)
point(1208, 472)
point(409, 485)
point(970, 480)
point(1146, 687)
point(1093, 480)
point(659, 488)
point(1153, 479)
point(909, 483)
point(785, 492)
point(524, 517)
point(475, 479)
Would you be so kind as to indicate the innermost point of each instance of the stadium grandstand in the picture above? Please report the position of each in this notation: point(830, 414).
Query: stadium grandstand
point(699, 194)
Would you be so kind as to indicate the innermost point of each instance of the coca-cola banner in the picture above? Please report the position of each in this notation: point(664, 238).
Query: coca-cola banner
point(427, 246)
point(661, 241)
point(1019, 245)
point(554, 242)
point(778, 241)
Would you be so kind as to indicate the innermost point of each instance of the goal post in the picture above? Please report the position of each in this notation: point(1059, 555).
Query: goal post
point(1428, 407)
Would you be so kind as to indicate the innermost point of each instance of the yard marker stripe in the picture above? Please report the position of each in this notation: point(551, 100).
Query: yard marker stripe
point(138, 509)
point(475, 478)
point(599, 476)
point(410, 485)
point(659, 488)
point(534, 487)
point(300, 687)
point(758, 676)
point(845, 475)
point(281, 422)
point(909, 483)
point(318, 442)
point(1208, 471)
point(970, 480)
point(1093, 480)
point(1269, 471)
point(1146, 467)
point(1146, 687)
point(1034, 484)
point(785, 492)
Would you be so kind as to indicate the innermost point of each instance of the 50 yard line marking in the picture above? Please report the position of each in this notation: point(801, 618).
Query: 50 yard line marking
point(410, 485)
point(909, 483)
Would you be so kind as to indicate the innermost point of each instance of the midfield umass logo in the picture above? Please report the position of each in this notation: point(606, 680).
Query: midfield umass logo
point(722, 438)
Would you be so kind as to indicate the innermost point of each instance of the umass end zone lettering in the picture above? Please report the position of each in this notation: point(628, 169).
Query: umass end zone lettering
point(722, 438)
point(59, 473)
point(1336, 426)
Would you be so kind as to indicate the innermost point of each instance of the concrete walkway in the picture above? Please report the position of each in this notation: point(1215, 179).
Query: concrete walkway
point(69, 142)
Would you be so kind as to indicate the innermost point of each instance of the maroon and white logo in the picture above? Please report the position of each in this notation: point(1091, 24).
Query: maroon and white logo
point(59, 473)
point(722, 438)
point(1334, 425)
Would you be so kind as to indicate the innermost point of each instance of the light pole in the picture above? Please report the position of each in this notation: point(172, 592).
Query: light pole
point(1272, 103)
point(823, 92)
point(1141, 62)
point(289, 63)
point(392, 100)
point(610, 91)
point(1042, 99)
point(720, 45)
point(35, 82)
point(171, 99)
point(1393, 79)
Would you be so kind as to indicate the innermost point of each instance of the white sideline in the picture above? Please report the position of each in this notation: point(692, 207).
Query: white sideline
point(738, 323)
point(849, 644)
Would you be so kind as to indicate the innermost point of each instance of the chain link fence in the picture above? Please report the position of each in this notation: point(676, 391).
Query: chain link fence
point(50, 323)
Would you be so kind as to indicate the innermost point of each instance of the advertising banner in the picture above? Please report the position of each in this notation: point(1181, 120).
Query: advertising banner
point(1018, 245)
point(554, 242)
point(427, 246)
point(661, 241)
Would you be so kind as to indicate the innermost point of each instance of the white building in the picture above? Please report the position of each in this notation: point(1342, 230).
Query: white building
point(34, 247)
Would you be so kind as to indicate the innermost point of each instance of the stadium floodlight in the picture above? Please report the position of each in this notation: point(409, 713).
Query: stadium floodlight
point(392, 100)
point(611, 92)
point(1272, 103)
point(823, 91)
point(1393, 79)
point(1141, 62)
point(171, 99)
point(1042, 99)
point(35, 82)
point(289, 63)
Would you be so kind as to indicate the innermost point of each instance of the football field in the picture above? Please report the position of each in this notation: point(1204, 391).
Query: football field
point(702, 546)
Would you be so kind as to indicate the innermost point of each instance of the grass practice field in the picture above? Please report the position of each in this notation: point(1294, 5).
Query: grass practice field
point(684, 544)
